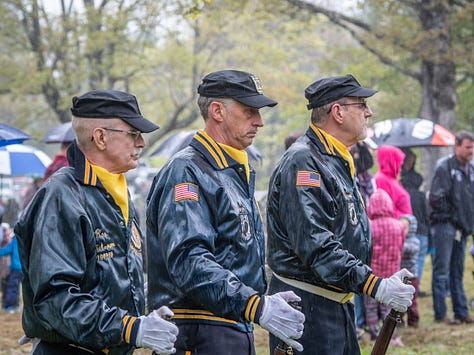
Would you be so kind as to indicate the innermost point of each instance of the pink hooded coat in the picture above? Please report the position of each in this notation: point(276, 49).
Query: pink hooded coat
point(390, 161)
point(388, 235)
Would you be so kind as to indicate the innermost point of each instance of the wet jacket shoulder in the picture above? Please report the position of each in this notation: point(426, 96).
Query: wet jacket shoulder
point(318, 230)
point(81, 262)
point(451, 195)
point(204, 236)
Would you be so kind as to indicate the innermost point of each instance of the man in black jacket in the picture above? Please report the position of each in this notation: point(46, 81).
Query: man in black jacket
point(80, 246)
point(206, 254)
point(452, 204)
point(319, 237)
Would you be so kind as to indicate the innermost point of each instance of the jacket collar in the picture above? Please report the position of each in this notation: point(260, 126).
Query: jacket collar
point(83, 171)
point(329, 145)
point(213, 152)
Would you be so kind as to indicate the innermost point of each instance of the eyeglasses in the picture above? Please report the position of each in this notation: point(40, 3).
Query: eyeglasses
point(134, 134)
point(364, 105)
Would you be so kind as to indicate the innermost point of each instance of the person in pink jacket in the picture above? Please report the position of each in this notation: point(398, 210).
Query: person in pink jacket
point(388, 235)
point(390, 160)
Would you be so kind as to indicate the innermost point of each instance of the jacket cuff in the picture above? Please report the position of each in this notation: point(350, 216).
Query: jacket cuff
point(130, 329)
point(254, 308)
point(372, 285)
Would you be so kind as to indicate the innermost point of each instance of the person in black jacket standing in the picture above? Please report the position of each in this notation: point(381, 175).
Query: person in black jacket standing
point(319, 237)
point(206, 254)
point(80, 246)
point(451, 200)
point(412, 181)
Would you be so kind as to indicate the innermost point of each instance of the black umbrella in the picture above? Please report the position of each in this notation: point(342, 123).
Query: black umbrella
point(11, 135)
point(60, 134)
point(180, 140)
point(410, 132)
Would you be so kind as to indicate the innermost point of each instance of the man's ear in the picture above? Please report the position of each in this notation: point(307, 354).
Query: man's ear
point(99, 138)
point(217, 111)
point(336, 113)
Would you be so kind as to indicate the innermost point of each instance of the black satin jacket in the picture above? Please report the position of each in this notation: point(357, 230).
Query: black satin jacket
point(205, 240)
point(318, 230)
point(82, 264)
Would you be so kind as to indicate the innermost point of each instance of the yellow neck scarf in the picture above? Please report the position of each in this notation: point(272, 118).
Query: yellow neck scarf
point(239, 156)
point(116, 185)
point(334, 143)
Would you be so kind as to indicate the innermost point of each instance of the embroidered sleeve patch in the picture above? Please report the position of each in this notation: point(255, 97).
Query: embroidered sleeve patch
point(186, 191)
point(308, 178)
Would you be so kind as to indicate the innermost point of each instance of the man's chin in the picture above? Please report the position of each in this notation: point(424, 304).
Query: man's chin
point(133, 165)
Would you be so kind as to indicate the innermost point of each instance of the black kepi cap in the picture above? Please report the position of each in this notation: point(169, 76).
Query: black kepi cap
point(111, 104)
point(235, 84)
point(327, 90)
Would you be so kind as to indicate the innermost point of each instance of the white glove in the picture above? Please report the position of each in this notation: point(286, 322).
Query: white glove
point(282, 320)
point(156, 333)
point(24, 340)
point(394, 293)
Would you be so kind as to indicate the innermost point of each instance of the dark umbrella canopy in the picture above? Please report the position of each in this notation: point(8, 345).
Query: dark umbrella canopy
point(180, 140)
point(410, 132)
point(11, 135)
point(60, 134)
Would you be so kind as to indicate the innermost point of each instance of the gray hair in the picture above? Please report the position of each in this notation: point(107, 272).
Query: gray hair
point(84, 127)
point(321, 114)
point(204, 103)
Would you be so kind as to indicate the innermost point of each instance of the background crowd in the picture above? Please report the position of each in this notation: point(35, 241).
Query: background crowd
point(404, 223)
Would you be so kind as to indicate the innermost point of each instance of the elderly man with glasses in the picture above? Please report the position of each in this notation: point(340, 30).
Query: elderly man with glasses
point(319, 237)
point(80, 246)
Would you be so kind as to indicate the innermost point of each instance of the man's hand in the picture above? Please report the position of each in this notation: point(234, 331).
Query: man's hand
point(394, 293)
point(156, 333)
point(282, 320)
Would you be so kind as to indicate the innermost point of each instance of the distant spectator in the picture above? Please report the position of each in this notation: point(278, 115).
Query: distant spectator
point(363, 162)
point(452, 204)
point(390, 161)
point(412, 182)
point(291, 138)
point(30, 192)
point(12, 210)
point(4, 262)
point(411, 250)
point(11, 297)
point(58, 162)
point(388, 236)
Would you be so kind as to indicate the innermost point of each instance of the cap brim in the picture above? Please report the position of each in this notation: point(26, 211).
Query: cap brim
point(256, 101)
point(362, 92)
point(141, 123)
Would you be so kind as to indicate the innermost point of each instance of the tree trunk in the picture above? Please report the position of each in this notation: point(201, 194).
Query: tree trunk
point(438, 76)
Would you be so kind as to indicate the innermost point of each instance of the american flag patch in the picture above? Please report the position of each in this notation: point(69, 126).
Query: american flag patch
point(185, 191)
point(308, 178)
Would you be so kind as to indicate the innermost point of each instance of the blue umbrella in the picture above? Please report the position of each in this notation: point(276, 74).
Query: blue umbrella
point(11, 135)
point(21, 159)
